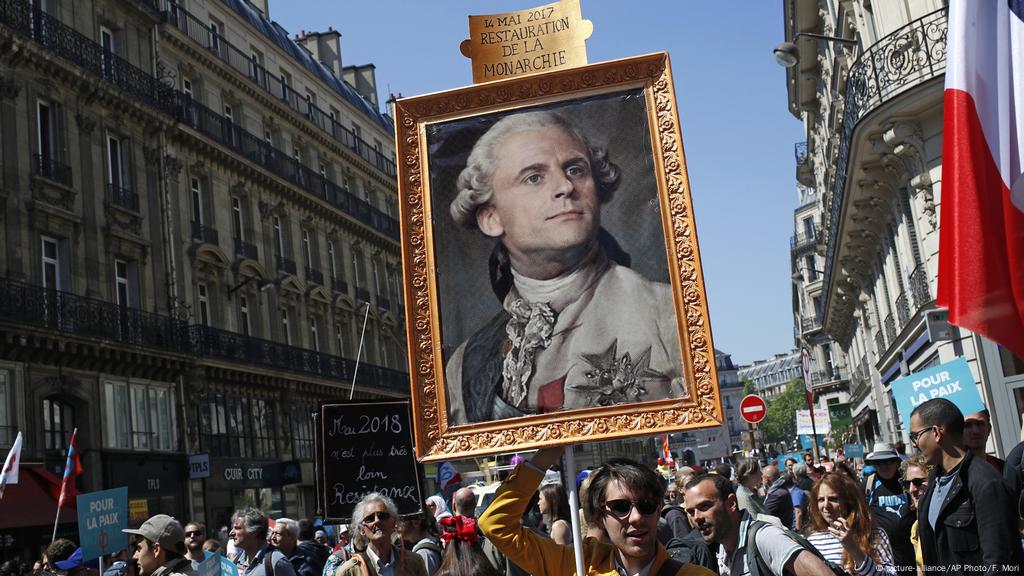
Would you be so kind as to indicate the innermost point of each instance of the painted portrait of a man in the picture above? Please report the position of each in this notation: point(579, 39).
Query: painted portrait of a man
point(559, 203)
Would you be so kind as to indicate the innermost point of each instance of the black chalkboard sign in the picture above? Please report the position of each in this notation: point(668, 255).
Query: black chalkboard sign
point(366, 447)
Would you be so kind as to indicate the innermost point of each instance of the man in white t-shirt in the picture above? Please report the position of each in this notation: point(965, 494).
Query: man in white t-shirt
point(710, 503)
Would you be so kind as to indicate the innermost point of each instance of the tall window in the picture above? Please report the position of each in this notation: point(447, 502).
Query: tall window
point(812, 273)
point(117, 168)
point(197, 201)
point(278, 236)
point(256, 69)
point(109, 49)
point(204, 304)
point(286, 326)
point(314, 333)
point(125, 285)
point(186, 87)
point(215, 34)
point(237, 220)
point(339, 337)
point(307, 248)
point(239, 427)
point(7, 431)
point(332, 263)
point(302, 430)
point(808, 227)
point(244, 325)
point(139, 416)
point(58, 422)
point(53, 267)
point(46, 123)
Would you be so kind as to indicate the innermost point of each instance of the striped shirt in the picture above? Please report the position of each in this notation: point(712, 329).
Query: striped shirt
point(832, 549)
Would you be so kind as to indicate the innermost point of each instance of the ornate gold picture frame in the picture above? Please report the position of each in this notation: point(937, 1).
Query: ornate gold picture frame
point(552, 276)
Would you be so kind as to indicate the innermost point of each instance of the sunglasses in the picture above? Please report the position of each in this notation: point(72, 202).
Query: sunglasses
point(194, 533)
point(917, 482)
point(377, 517)
point(622, 508)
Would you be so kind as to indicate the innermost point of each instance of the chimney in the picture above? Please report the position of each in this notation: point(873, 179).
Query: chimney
point(262, 6)
point(364, 80)
point(325, 47)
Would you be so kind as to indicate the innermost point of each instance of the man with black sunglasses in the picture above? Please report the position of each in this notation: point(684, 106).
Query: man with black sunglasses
point(622, 501)
point(195, 536)
point(373, 524)
point(966, 519)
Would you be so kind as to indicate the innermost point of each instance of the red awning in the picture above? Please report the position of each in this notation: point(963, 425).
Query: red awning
point(33, 500)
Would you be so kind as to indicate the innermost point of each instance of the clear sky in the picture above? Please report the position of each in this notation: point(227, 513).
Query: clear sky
point(735, 122)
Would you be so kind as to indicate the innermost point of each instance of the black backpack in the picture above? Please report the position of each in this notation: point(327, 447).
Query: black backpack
point(757, 564)
point(691, 549)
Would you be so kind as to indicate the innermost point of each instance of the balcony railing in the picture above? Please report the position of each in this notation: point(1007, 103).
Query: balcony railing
point(66, 312)
point(315, 276)
point(246, 249)
point(908, 57)
point(78, 49)
point(809, 324)
point(200, 33)
point(287, 266)
point(31, 305)
point(823, 377)
point(903, 310)
point(880, 342)
point(51, 169)
point(803, 239)
point(123, 197)
point(215, 343)
point(205, 233)
point(890, 329)
point(919, 286)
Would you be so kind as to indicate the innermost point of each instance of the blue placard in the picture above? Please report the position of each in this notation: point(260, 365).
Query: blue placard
point(210, 566)
point(227, 567)
point(101, 517)
point(806, 444)
point(798, 456)
point(853, 450)
point(952, 381)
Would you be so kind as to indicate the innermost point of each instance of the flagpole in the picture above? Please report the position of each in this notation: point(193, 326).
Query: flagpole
point(63, 485)
point(359, 354)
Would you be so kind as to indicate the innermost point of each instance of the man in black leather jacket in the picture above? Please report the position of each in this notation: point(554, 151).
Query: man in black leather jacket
point(966, 520)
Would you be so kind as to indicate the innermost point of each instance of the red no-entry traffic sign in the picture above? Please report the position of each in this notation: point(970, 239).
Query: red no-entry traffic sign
point(753, 409)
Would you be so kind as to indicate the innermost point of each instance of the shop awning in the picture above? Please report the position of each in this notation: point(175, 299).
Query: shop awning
point(33, 500)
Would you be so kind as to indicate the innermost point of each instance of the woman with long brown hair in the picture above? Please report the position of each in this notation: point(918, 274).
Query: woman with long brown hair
point(841, 528)
point(554, 505)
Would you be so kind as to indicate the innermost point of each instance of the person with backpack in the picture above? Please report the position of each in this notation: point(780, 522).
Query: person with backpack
point(673, 523)
point(889, 504)
point(841, 527)
point(420, 535)
point(622, 501)
point(255, 556)
point(744, 545)
point(778, 500)
point(373, 526)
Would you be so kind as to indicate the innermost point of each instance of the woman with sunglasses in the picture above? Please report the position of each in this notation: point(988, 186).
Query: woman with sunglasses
point(914, 477)
point(841, 528)
point(373, 528)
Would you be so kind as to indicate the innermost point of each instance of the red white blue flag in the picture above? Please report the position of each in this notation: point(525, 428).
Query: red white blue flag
point(981, 241)
point(72, 468)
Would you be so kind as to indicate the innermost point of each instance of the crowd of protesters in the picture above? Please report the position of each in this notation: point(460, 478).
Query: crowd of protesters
point(942, 510)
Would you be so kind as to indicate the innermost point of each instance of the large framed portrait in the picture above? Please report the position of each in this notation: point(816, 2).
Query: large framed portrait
point(553, 282)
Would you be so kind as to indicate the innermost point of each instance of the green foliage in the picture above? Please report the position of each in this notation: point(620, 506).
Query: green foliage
point(779, 423)
point(748, 387)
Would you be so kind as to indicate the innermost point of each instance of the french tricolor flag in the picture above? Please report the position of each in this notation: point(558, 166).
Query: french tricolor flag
point(981, 241)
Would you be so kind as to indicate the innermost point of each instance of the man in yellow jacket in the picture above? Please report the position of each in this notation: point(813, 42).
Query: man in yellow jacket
point(623, 502)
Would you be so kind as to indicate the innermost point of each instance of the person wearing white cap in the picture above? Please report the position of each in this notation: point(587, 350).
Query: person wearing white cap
point(161, 550)
point(890, 505)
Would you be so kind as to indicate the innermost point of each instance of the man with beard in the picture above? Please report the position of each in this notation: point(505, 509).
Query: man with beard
point(195, 536)
point(710, 502)
point(373, 524)
point(622, 503)
point(889, 504)
point(977, 428)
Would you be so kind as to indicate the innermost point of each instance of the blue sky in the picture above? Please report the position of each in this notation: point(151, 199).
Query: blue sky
point(736, 127)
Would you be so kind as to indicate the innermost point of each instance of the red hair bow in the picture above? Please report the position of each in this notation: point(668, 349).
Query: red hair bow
point(460, 527)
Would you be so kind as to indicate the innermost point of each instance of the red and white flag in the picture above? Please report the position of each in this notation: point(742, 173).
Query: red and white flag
point(9, 473)
point(981, 241)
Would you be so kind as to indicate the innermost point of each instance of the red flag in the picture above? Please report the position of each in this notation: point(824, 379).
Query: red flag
point(981, 243)
point(72, 468)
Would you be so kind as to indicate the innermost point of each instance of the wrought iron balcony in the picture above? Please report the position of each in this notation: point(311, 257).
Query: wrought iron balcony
point(890, 329)
point(825, 377)
point(919, 287)
point(215, 343)
point(287, 266)
point(910, 56)
point(315, 276)
point(205, 233)
point(123, 197)
point(809, 324)
point(246, 249)
point(803, 239)
point(879, 342)
point(51, 169)
point(66, 312)
point(199, 32)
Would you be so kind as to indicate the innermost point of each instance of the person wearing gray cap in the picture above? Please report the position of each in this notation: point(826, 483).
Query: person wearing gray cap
point(161, 551)
point(890, 505)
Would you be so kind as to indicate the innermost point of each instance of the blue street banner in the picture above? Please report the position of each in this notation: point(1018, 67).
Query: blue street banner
point(798, 456)
point(101, 517)
point(805, 442)
point(210, 566)
point(227, 567)
point(952, 381)
point(853, 450)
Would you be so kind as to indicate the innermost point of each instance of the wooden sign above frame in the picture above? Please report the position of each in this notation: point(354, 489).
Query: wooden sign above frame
point(552, 273)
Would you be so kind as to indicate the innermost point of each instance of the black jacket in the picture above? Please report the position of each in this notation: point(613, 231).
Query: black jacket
point(976, 525)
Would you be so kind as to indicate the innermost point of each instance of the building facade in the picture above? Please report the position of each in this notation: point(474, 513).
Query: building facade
point(770, 377)
point(872, 112)
point(200, 237)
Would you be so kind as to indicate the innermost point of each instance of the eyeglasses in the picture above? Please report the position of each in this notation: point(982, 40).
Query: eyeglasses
point(622, 508)
point(917, 482)
point(377, 516)
point(194, 533)
point(915, 435)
